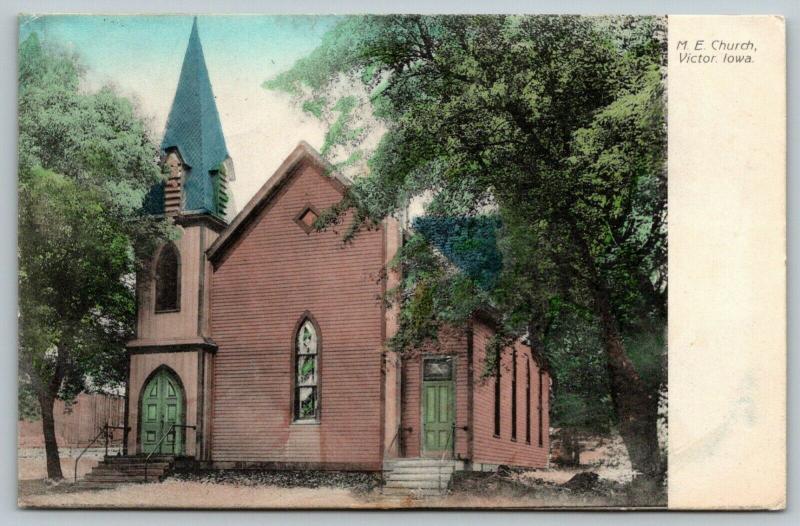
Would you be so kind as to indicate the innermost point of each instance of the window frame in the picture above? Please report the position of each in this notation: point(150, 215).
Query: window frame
point(540, 408)
point(158, 259)
point(308, 229)
point(497, 393)
point(514, 394)
point(528, 401)
point(295, 393)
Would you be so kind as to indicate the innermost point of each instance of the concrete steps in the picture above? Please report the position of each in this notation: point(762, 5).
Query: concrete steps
point(418, 477)
point(113, 471)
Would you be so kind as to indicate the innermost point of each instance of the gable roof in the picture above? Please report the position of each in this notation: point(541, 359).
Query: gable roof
point(302, 152)
point(194, 128)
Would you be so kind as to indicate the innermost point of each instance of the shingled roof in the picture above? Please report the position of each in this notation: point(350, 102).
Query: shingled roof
point(194, 129)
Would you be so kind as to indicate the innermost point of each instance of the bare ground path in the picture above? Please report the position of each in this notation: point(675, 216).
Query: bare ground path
point(542, 488)
point(197, 495)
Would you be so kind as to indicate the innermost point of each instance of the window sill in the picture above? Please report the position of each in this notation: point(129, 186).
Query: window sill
point(495, 436)
point(305, 423)
point(167, 311)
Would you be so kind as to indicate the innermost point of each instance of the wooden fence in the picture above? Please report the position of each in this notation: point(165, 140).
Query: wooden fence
point(79, 422)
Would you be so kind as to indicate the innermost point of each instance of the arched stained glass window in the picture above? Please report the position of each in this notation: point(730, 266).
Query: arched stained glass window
point(306, 395)
point(168, 279)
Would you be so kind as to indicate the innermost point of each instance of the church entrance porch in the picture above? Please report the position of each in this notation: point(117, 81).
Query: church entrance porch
point(438, 407)
point(162, 414)
point(168, 401)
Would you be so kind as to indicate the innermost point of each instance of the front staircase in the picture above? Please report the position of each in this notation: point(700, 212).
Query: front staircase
point(113, 471)
point(418, 477)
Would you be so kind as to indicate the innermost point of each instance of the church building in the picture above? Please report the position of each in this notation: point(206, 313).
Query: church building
point(261, 342)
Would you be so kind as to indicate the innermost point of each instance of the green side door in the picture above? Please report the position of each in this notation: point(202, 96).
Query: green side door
point(162, 406)
point(438, 408)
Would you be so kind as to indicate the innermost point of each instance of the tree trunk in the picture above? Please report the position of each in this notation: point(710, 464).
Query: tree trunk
point(47, 394)
point(572, 448)
point(46, 402)
point(636, 408)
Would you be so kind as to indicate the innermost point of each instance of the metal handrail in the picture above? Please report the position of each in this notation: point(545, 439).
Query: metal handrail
point(394, 439)
point(112, 427)
point(104, 430)
point(452, 443)
point(160, 440)
point(399, 442)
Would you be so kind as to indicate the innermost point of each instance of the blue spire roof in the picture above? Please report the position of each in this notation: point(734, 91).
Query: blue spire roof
point(193, 127)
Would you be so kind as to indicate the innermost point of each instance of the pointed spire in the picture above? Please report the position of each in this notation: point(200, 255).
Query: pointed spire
point(194, 128)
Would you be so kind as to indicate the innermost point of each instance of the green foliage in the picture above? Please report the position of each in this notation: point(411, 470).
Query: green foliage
point(578, 366)
point(27, 403)
point(647, 349)
point(340, 131)
point(85, 164)
point(314, 107)
point(432, 293)
point(470, 243)
point(557, 124)
point(318, 69)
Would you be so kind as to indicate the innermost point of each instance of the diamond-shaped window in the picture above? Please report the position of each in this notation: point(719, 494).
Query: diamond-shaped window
point(306, 219)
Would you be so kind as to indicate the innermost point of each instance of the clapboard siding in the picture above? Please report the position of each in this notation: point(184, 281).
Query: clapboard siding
point(488, 448)
point(165, 326)
point(270, 276)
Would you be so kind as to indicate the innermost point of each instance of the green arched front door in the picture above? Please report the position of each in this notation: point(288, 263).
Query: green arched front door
point(162, 406)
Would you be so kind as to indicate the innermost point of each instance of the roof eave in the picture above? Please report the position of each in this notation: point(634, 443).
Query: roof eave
point(268, 191)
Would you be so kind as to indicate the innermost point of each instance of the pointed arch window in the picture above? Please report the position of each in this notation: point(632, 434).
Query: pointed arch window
point(168, 279)
point(306, 366)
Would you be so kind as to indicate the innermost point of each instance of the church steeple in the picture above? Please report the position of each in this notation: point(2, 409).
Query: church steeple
point(194, 132)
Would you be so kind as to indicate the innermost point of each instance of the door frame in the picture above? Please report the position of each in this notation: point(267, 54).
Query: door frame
point(453, 405)
point(182, 417)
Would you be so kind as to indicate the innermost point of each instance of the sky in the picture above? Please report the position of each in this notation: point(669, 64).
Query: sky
point(141, 57)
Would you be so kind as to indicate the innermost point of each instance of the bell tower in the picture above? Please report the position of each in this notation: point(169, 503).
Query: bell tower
point(173, 330)
point(194, 155)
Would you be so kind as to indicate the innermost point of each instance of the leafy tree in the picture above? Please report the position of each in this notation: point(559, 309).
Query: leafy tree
point(85, 162)
point(27, 402)
point(576, 356)
point(556, 124)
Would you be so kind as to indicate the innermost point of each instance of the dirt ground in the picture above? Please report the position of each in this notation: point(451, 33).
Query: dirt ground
point(607, 457)
point(30, 454)
point(181, 494)
point(485, 490)
point(540, 488)
point(35, 468)
point(196, 495)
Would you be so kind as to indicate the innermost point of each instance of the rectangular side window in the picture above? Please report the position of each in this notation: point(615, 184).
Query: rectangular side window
point(514, 394)
point(497, 376)
point(541, 415)
point(528, 401)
